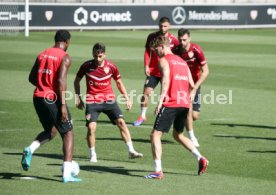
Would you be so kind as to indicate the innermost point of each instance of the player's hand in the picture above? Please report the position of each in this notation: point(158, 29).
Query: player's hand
point(80, 104)
point(192, 94)
point(147, 71)
point(64, 113)
point(157, 109)
point(128, 105)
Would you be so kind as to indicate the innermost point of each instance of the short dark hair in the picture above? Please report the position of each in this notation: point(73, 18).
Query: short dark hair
point(183, 31)
point(98, 47)
point(164, 19)
point(62, 36)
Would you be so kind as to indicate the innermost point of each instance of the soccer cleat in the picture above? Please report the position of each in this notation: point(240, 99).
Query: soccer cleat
point(93, 159)
point(155, 175)
point(133, 155)
point(26, 158)
point(71, 179)
point(139, 121)
point(195, 142)
point(202, 165)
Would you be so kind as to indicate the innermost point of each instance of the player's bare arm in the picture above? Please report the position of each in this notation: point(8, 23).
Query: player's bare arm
point(204, 74)
point(165, 72)
point(192, 85)
point(123, 91)
point(79, 103)
point(147, 57)
point(33, 73)
point(62, 76)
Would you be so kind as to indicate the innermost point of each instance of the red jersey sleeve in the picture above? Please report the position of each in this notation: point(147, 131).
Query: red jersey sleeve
point(115, 73)
point(200, 56)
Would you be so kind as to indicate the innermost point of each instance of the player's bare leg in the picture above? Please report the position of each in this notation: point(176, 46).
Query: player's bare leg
point(91, 141)
point(156, 148)
point(41, 138)
point(190, 128)
point(127, 138)
point(144, 106)
point(188, 144)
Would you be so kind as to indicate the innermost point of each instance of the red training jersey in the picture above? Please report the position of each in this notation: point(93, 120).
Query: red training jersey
point(98, 80)
point(49, 62)
point(150, 57)
point(194, 57)
point(178, 94)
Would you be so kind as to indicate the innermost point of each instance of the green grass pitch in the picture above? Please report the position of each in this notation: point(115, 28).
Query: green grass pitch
point(239, 139)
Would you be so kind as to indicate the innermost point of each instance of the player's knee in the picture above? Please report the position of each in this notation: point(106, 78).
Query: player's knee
point(176, 135)
point(121, 123)
point(195, 116)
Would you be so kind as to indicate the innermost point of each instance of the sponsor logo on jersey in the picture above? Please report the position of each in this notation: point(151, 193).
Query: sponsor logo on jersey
point(181, 77)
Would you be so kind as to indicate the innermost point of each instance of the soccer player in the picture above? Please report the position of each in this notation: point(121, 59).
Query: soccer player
point(151, 65)
point(101, 98)
point(194, 56)
point(173, 106)
point(49, 75)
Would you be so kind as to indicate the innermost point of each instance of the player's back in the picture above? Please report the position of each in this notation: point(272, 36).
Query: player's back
point(178, 94)
point(49, 62)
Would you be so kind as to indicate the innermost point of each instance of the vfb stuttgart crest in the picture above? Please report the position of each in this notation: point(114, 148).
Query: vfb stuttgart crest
point(154, 14)
point(190, 54)
point(49, 15)
point(254, 14)
point(106, 70)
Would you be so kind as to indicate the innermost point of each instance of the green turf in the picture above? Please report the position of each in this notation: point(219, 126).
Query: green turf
point(238, 138)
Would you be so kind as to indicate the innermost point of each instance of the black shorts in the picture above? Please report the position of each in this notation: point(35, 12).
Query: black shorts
point(111, 109)
point(49, 114)
point(168, 116)
point(197, 101)
point(152, 81)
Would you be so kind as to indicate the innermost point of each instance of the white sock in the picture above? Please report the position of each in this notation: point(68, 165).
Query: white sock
point(191, 134)
point(143, 112)
point(34, 146)
point(93, 151)
point(130, 147)
point(196, 153)
point(157, 165)
point(67, 169)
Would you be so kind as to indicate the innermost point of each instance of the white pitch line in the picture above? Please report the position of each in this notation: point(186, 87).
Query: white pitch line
point(4, 130)
point(3, 112)
point(217, 119)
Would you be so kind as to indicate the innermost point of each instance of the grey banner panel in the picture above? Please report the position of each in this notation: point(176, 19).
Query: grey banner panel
point(137, 16)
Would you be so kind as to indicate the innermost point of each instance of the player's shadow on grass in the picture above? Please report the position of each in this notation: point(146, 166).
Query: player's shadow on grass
point(110, 123)
point(265, 151)
point(54, 156)
point(16, 176)
point(245, 137)
point(121, 170)
point(244, 125)
point(135, 140)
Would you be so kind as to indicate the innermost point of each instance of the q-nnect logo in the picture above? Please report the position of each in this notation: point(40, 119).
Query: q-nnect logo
point(81, 16)
point(179, 15)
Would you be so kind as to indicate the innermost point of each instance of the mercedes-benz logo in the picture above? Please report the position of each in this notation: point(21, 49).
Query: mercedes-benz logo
point(179, 15)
